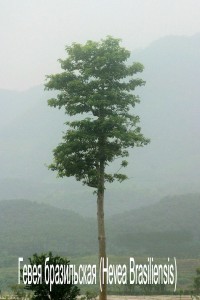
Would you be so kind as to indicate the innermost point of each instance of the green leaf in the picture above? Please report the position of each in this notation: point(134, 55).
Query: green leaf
point(97, 83)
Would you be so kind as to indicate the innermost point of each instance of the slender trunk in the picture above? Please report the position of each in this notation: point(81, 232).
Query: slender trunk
point(101, 229)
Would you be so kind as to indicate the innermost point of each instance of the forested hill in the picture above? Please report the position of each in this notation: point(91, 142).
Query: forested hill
point(27, 227)
point(169, 228)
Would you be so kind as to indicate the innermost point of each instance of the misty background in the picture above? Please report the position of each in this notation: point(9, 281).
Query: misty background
point(33, 34)
point(153, 213)
point(163, 35)
point(169, 113)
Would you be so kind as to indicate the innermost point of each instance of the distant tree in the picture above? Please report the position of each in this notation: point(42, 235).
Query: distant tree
point(66, 291)
point(18, 291)
point(96, 85)
point(197, 282)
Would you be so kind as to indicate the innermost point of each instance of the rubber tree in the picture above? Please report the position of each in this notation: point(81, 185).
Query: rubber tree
point(96, 85)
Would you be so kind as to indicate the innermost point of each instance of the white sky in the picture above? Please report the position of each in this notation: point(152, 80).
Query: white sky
point(33, 33)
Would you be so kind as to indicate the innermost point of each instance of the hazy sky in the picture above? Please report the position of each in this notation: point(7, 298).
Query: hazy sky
point(33, 33)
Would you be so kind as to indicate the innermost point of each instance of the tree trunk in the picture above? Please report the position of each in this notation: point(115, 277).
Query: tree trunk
point(101, 229)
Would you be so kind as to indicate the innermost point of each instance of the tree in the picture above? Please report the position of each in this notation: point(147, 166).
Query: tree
point(96, 84)
point(66, 291)
point(197, 282)
point(19, 292)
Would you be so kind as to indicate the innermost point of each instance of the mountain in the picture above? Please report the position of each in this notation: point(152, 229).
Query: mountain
point(169, 228)
point(169, 112)
point(28, 227)
point(169, 115)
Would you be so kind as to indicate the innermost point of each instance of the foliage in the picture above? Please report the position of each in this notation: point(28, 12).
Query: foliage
point(197, 281)
point(19, 292)
point(93, 83)
point(89, 295)
point(66, 291)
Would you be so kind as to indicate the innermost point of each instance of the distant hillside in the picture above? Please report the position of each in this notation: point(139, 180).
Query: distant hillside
point(28, 227)
point(169, 228)
point(169, 111)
